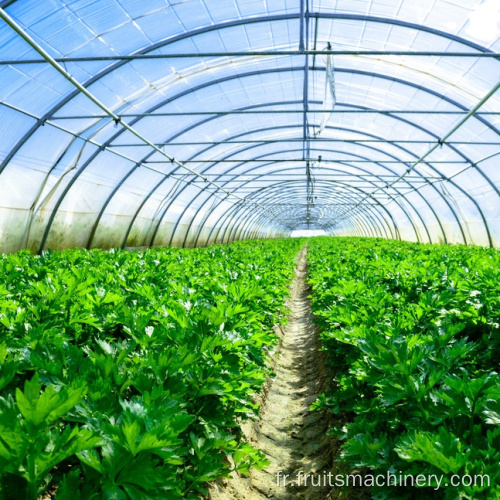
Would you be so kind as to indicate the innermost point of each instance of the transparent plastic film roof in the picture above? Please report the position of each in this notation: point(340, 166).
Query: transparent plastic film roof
point(131, 123)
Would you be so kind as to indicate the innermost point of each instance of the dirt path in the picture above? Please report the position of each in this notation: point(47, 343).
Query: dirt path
point(293, 438)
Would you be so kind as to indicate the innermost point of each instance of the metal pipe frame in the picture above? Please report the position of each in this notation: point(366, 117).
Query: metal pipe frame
point(291, 195)
point(417, 212)
point(408, 25)
point(273, 112)
point(217, 223)
point(222, 221)
point(425, 201)
point(264, 194)
point(241, 214)
point(180, 217)
point(128, 231)
point(254, 53)
point(385, 209)
point(190, 34)
point(441, 174)
point(427, 131)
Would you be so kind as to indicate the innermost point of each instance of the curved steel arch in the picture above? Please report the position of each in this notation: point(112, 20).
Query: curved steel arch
point(423, 223)
point(346, 162)
point(230, 24)
point(43, 119)
point(206, 215)
point(382, 166)
point(255, 223)
point(270, 71)
point(438, 192)
point(394, 117)
point(416, 212)
point(260, 219)
point(270, 191)
point(325, 190)
point(180, 217)
point(112, 138)
point(343, 16)
point(271, 19)
point(344, 185)
point(333, 169)
point(222, 220)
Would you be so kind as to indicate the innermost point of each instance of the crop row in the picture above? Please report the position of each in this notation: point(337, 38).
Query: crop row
point(412, 334)
point(125, 375)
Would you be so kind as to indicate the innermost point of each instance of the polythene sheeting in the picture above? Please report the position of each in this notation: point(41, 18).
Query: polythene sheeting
point(70, 176)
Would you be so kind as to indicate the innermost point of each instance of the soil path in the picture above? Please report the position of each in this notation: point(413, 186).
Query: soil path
point(293, 438)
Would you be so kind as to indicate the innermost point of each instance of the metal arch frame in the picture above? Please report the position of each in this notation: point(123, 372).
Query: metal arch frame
point(229, 24)
point(237, 166)
point(256, 228)
point(156, 186)
point(172, 235)
point(220, 223)
point(331, 169)
point(161, 181)
point(369, 213)
point(454, 103)
point(255, 20)
point(402, 208)
point(416, 212)
point(371, 223)
point(440, 194)
point(267, 19)
point(285, 17)
point(346, 162)
point(254, 231)
point(230, 212)
point(382, 166)
point(216, 81)
point(242, 185)
point(356, 222)
point(254, 225)
point(259, 221)
point(325, 189)
point(430, 207)
point(410, 123)
point(296, 167)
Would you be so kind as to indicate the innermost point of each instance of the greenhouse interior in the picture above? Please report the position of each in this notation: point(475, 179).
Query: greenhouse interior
point(249, 249)
point(149, 123)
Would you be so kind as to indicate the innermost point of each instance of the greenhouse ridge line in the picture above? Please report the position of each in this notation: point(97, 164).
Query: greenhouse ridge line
point(116, 118)
point(293, 160)
point(274, 111)
point(256, 53)
point(288, 139)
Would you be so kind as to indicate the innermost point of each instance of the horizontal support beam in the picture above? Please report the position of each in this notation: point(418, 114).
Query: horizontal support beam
point(257, 53)
point(315, 179)
point(315, 172)
point(319, 204)
point(274, 112)
point(281, 160)
point(284, 139)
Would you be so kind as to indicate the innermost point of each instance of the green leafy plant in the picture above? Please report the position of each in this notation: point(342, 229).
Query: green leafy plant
point(411, 333)
point(128, 374)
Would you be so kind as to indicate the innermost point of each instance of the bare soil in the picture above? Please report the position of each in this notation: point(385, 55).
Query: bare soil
point(293, 438)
